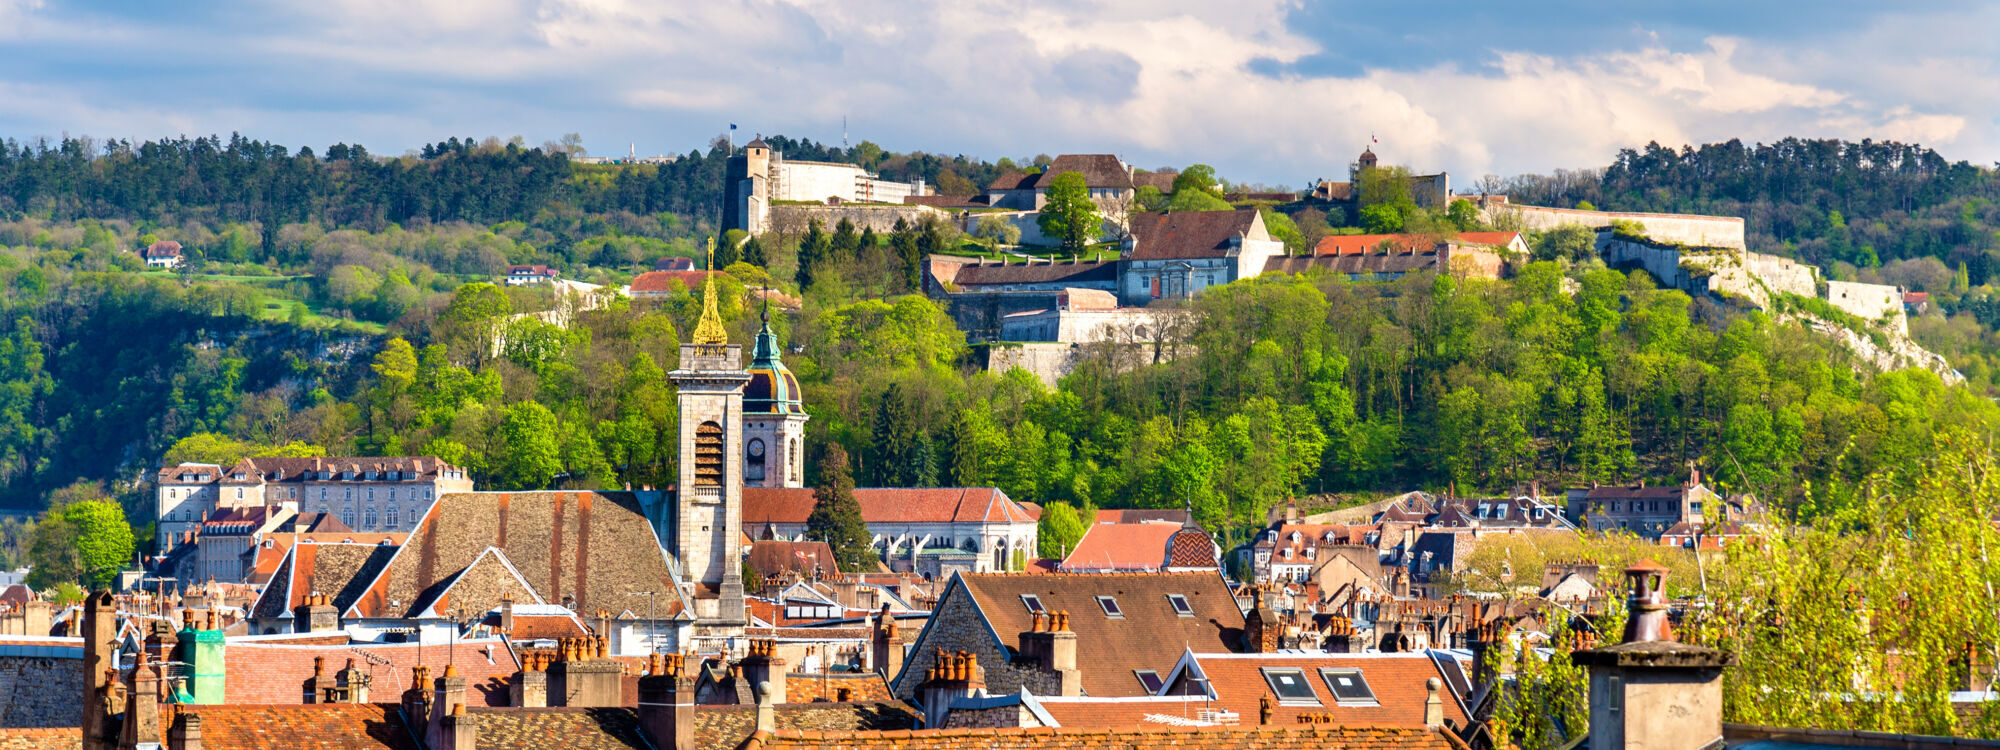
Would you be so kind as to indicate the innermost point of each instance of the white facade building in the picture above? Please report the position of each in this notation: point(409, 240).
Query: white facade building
point(366, 494)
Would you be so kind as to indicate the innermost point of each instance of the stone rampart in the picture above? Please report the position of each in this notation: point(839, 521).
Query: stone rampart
point(880, 217)
point(1682, 229)
point(1870, 302)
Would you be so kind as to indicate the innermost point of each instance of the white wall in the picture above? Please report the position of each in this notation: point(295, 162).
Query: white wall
point(1683, 229)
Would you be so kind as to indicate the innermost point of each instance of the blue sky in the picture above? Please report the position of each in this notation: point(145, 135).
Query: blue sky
point(1269, 91)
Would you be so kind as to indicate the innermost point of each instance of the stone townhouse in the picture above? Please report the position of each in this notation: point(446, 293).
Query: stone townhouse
point(1115, 634)
point(366, 494)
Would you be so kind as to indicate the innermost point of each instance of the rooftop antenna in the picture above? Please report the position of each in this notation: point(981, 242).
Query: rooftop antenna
point(843, 132)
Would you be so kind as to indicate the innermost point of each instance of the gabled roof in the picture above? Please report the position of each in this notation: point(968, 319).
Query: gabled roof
point(592, 547)
point(1111, 547)
point(1066, 272)
point(485, 584)
point(1142, 515)
point(342, 571)
point(1150, 635)
point(792, 505)
point(1238, 684)
point(1192, 234)
point(773, 558)
point(1098, 170)
point(1635, 492)
point(663, 281)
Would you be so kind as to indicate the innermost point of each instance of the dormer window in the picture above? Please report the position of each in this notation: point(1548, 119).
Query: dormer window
point(1349, 689)
point(1290, 685)
point(1110, 607)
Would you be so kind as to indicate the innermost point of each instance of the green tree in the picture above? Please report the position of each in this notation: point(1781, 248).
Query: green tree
point(815, 249)
point(86, 542)
point(529, 455)
point(1070, 216)
point(1385, 199)
point(1062, 525)
point(1566, 242)
point(753, 253)
point(472, 321)
point(836, 515)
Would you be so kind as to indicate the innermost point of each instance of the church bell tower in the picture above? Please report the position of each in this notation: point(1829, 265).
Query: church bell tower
point(707, 526)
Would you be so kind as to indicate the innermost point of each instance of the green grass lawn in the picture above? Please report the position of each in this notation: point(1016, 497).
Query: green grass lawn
point(279, 311)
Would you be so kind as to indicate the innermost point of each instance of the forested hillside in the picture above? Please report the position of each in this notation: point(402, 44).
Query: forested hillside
point(1880, 212)
point(361, 324)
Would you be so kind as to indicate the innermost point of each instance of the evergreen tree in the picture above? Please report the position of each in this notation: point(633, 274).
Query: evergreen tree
point(892, 452)
point(753, 254)
point(836, 515)
point(814, 249)
point(729, 249)
point(846, 242)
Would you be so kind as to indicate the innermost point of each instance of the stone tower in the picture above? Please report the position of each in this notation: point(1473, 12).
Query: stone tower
point(707, 523)
point(774, 417)
point(746, 202)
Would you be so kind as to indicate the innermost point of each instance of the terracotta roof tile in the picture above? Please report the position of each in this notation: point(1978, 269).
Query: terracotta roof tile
point(274, 673)
point(763, 505)
point(51, 738)
point(341, 570)
point(596, 547)
point(663, 281)
point(1150, 635)
point(1110, 547)
point(1397, 681)
point(1314, 737)
point(1189, 234)
point(326, 726)
point(537, 728)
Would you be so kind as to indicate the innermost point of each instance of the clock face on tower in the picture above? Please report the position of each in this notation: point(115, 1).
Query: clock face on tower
point(756, 449)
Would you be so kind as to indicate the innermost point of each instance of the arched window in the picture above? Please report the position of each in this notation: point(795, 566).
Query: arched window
point(753, 460)
point(368, 518)
point(708, 458)
point(394, 518)
point(792, 458)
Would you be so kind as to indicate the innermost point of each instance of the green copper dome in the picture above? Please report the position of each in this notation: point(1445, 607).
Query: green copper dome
point(772, 388)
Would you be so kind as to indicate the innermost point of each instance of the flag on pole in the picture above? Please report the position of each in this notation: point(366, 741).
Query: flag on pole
point(732, 126)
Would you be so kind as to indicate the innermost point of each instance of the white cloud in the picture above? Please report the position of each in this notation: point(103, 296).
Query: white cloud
point(14, 16)
point(1157, 82)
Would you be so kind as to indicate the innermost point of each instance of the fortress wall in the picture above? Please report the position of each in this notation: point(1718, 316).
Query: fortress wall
point(1683, 229)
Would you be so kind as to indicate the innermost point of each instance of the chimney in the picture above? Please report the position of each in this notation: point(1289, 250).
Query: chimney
point(666, 703)
point(457, 732)
point(507, 614)
point(448, 698)
point(1488, 643)
point(141, 726)
point(1050, 646)
point(1261, 629)
point(1340, 637)
point(203, 650)
point(417, 700)
point(585, 677)
point(531, 685)
point(1650, 691)
point(766, 670)
point(952, 676)
point(314, 684)
point(888, 651)
point(35, 617)
point(186, 733)
point(352, 684)
point(99, 635)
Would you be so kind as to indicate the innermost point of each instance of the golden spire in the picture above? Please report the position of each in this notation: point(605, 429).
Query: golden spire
point(709, 330)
